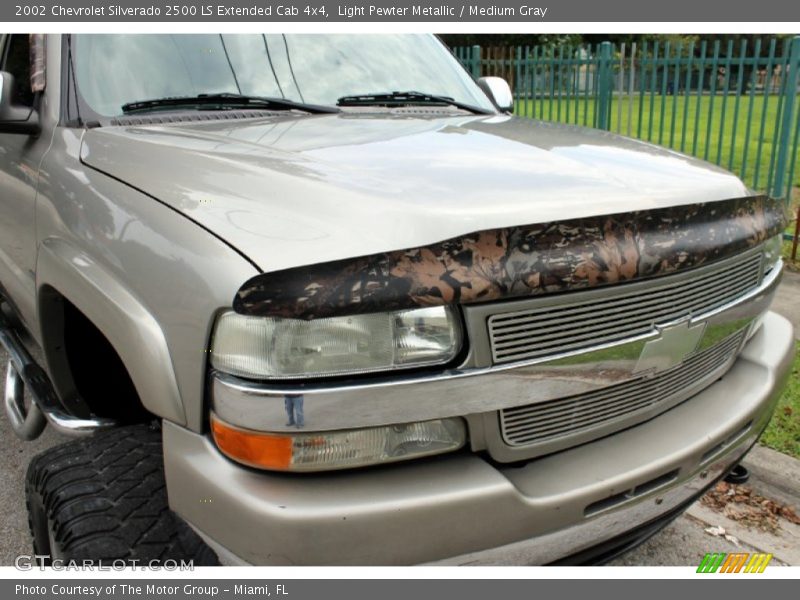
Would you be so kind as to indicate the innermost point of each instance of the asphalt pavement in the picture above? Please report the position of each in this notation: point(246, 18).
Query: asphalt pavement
point(14, 458)
point(684, 542)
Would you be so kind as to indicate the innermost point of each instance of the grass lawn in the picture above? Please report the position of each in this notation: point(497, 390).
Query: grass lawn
point(695, 125)
point(783, 432)
point(792, 265)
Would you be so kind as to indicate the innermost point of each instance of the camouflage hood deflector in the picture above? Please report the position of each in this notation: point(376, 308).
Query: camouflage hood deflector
point(516, 262)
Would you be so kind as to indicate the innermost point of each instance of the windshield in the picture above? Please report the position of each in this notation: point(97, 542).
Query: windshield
point(113, 70)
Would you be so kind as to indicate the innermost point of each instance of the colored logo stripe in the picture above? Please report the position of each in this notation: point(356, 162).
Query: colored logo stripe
point(758, 563)
point(734, 563)
point(711, 562)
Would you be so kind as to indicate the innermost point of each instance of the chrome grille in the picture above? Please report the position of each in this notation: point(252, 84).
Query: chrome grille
point(575, 322)
point(537, 423)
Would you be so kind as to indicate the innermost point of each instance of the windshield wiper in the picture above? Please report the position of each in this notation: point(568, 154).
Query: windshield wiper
point(225, 101)
point(406, 98)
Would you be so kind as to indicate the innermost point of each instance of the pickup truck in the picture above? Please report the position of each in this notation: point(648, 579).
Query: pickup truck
point(324, 300)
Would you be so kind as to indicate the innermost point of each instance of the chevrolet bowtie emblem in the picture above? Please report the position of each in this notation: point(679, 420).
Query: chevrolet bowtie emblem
point(675, 343)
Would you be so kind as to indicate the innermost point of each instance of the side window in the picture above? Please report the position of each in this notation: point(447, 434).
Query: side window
point(18, 63)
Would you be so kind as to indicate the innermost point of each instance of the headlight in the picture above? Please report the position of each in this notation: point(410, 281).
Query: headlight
point(265, 347)
point(328, 450)
point(772, 252)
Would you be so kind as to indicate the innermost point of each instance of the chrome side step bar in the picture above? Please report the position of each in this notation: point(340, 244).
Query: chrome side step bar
point(29, 423)
point(23, 372)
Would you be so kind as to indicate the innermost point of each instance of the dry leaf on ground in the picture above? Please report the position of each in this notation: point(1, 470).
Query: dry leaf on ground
point(742, 504)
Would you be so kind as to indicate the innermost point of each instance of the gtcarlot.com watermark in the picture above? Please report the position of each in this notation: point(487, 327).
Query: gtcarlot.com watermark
point(28, 562)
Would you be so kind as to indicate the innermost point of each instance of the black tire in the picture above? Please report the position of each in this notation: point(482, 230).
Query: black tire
point(104, 499)
point(738, 475)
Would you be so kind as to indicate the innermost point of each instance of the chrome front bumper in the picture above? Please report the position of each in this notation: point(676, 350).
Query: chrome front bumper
point(464, 509)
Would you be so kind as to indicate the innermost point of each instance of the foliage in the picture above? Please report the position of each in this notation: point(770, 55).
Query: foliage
point(783, 432)
point(570, 39)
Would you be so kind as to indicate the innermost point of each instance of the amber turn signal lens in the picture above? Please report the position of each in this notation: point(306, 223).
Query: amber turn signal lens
point(251, 448)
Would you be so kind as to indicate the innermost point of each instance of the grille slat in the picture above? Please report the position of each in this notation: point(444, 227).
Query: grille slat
point(538, 423)
point(590, 415)
point(586, 340)
point(579, 323)
point(708, 274)
point(653, 291)
point(696, 298)
point(701, 361)
point(608, 398)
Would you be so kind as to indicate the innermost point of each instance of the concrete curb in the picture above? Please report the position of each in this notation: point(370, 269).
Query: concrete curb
point(775, 475)
point(784, 546)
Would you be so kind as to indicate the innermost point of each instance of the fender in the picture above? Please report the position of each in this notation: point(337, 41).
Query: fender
point(119, 315)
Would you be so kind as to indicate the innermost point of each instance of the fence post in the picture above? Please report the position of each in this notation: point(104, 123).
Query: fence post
point(785, 139)
point(604, 87)
point(475, 61)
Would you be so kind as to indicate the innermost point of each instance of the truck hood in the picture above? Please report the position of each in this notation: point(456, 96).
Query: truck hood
point(291, 190)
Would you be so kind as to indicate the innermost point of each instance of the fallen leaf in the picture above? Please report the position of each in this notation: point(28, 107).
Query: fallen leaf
point(732, 539)
point(742, 504)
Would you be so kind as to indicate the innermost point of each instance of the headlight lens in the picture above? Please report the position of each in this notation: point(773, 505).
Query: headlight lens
point(772, 252)
point(275, 348)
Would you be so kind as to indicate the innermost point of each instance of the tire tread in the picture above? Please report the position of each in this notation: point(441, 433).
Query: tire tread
point(106, 499)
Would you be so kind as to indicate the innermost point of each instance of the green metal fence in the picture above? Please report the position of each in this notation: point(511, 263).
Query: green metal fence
point(734, 104)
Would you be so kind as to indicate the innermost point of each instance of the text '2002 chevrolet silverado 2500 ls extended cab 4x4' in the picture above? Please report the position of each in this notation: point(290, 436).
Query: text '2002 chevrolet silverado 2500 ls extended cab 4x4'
point(325, 299)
